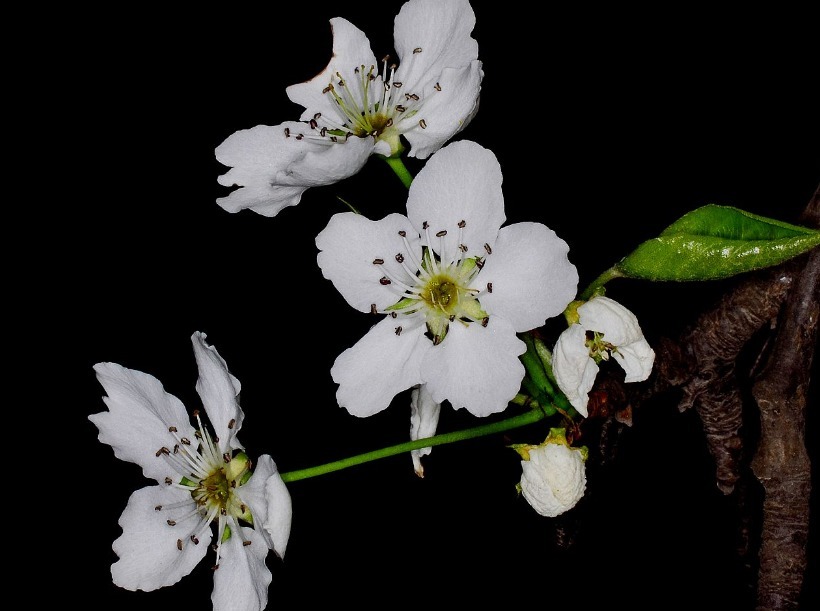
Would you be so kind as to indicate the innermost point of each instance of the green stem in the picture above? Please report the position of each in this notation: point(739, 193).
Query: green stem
point(534, 415)
point(610, 274)
point(397, 165)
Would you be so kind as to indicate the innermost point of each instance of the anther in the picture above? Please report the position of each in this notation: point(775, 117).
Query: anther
point(441, 233)
point(317, 115)
point(185, 441)
point(397, 84)
point(323, 132)
point(403, 233)
point(158, 508)
point(462, 224)
point(171, 522)
point(334, 139)
point(462, 247)
point(168, 481)
point(313, 124)
point(411, 96)
point(425, 225)
point(172, 429)
point(300, 136)
point(479, 263)
point(452, 317)
point(398, 330)
point(327, 89)
point(287, 132)
point(389, 123)
point(378, 261)
point(400, 108)
point(488, 249)
point(393, 315)
point(232, 423)
point(226, 457)
point(373, 309)
point(423, 124)
point(384, 280)
point(485, 321)
point(437, 87)
point(194, 539)
point(233, 485)
point(489, 287)
point(417, 50)
point(387, 86)
point(214, 567)
point(176, 448)
point(179, 544)
point(400, 258)
point(246, 543)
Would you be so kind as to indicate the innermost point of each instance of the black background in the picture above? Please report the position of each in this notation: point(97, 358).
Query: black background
point(608, 125)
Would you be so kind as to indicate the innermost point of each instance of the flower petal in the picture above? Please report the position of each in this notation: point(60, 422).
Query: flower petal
point(462, 182)
point(149, 556)
point(267, 508)
point(219, 390)
point(242, 579)
point(431, 35)
point(574, 370)
point(351, 243)
point(140, 414)
point(476, 367)
point(448, 108)
point(273, 169)
point(554, 479)
point(636, 359)
point(280, 513)
point(379, 366)
point(424, 414)
point(618, 325)
point(351, 50)
point(532, 278)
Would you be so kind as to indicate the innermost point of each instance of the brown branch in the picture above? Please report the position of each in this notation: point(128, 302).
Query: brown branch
point(704, 364)
point(782, 463)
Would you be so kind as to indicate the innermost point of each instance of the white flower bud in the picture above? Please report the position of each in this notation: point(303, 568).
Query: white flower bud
point(554, 478)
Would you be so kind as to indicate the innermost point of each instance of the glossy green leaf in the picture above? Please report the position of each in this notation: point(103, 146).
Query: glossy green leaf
point(714, 242)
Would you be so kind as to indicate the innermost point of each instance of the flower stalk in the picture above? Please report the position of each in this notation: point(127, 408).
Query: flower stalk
point(397, 165)
point(535, 414)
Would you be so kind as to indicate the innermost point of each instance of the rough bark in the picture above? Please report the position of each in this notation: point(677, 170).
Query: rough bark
point(762, 334)
point(781, 462)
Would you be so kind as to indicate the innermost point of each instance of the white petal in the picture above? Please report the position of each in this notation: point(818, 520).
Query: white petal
point(351, 243)
point(219, 390)
point(242, 579)
point(618, 325)
point(442, 32)
point(379, 366)
point(574, 370)
point(636, 359)
point(351, 50)
point(269, 501)
point(554, 479)
point(424, 414)
point(462, 182)
point(448, 108)
point(531, 276)
point(147, 549)
point(280, 513)
point(273, 170)
point(476, 367)
point(138, 419)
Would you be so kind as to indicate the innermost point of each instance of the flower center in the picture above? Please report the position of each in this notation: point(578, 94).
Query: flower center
point(369, 104)
point(437, 290)
point(599, 349)
point(212, 477)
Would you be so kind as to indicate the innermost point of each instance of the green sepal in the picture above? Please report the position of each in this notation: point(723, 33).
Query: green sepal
point(714, 242)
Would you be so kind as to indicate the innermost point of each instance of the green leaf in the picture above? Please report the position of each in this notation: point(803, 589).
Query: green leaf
point(715, 242)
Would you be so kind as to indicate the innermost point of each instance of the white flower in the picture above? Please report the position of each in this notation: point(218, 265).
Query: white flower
point(203, 478)
point(354, 110)
point(452, 285)
point(553, 475)
point(424, 413)
point(605, 328)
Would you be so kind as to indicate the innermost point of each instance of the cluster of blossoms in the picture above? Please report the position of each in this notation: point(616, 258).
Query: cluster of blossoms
point(454, 287)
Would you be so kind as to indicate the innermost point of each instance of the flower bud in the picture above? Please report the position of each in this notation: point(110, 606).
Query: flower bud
point(553, 477)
